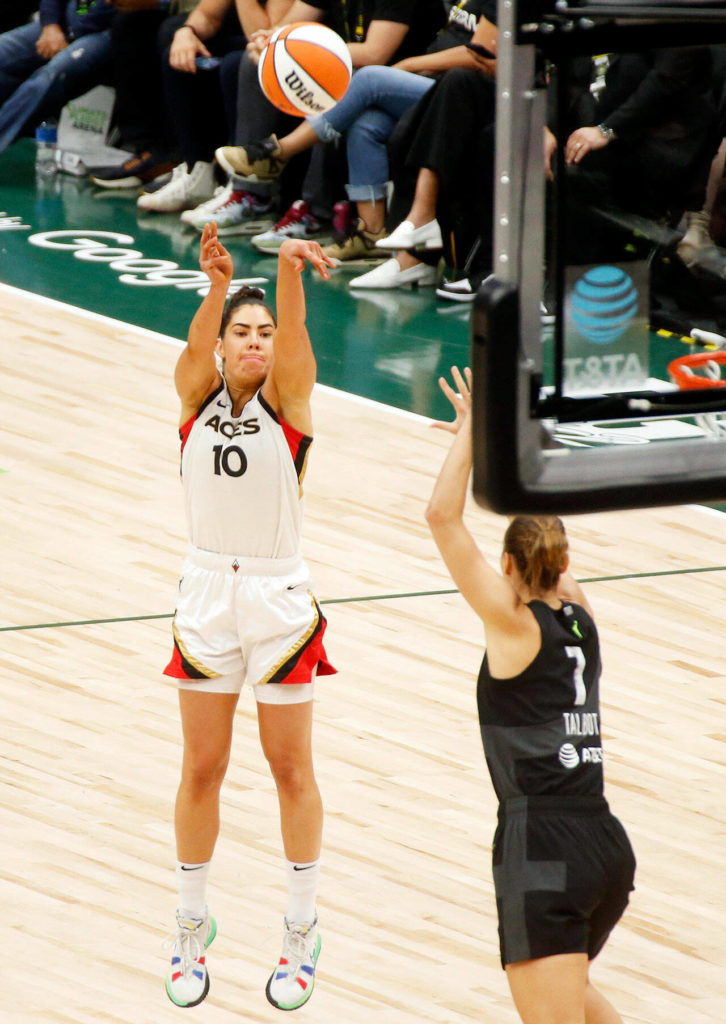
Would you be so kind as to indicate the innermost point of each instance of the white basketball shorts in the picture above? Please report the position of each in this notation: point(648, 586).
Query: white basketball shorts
point(251, 620)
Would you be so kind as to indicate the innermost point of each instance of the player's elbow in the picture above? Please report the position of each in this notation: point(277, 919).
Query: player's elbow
point(439, 516)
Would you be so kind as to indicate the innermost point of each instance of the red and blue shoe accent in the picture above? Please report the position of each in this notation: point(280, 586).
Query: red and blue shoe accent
point(291, 983)
point(187, 982)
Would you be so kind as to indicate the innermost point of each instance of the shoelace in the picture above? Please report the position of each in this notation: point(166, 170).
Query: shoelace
point(295, 947)
point(186, 946)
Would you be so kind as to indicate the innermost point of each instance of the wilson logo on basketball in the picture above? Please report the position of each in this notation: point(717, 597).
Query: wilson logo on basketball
point(303, 96)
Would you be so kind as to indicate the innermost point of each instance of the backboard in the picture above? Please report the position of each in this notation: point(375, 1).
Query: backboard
point(586, 371)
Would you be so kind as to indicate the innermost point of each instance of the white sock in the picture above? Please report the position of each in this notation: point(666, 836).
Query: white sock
point(302, 887)
point(191, 880)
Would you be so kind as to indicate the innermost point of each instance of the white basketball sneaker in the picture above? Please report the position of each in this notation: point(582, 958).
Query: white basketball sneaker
point(187, 188)
point(219, 197)
point(236, 212)
point(187, 981)
point(291, 983)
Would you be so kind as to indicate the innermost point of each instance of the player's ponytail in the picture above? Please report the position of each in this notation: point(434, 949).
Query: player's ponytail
point(538, 545)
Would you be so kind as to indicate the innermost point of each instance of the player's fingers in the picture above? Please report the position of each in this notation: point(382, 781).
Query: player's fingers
point(461, 384)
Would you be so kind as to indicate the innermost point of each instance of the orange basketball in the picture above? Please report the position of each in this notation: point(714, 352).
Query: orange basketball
point(305, 68)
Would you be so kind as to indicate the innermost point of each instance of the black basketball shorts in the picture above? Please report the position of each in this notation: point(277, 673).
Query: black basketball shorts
point(563, 872)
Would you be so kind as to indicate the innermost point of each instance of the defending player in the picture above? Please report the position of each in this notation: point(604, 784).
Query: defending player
point(245, 609)
point(563, 865)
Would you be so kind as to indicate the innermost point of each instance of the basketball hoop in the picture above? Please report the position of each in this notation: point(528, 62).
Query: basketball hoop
point(682, 371)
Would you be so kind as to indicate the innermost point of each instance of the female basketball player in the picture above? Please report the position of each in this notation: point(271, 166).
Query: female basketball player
point(563, 865)
point(245, 608)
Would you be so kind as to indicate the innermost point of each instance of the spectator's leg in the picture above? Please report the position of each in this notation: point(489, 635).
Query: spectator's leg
point(18, 58)
point(71, 72)
point(139, 112)
point(425, 198)
point(195, 106)
point(368, 166)
point(324, 182)
point(228, 78)
point(386, 89)
point(458, 150)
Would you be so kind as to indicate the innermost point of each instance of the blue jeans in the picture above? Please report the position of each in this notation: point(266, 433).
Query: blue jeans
point(31, 85)
point(376, 99)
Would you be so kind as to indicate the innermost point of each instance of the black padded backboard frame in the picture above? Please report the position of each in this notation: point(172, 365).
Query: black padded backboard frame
point(516, 466)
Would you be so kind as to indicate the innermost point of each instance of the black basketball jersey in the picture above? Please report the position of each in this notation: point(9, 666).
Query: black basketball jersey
point(541, 728)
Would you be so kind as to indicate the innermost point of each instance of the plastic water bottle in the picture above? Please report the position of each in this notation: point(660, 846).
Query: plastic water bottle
point(46, 145)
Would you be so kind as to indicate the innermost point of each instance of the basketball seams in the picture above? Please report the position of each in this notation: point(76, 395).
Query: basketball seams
point(268, 78)
point(305, 68)
point(298, 49)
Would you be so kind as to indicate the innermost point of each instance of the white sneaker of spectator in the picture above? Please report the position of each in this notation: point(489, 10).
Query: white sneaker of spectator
point(235, 211)
point(219, 197)
point(186, 188)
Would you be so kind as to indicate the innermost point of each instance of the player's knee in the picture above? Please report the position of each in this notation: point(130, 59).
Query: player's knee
point(204, 770)
point(290, 775)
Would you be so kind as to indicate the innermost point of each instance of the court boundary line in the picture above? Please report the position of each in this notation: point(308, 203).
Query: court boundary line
point(167, 339)
point(357, 600)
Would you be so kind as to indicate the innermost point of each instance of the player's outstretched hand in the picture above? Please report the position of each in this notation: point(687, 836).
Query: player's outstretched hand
point(460, 399)
point(296, 251)
point(214, 259)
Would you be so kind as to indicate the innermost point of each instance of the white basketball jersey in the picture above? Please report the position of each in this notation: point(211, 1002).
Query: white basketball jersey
point(242, 478)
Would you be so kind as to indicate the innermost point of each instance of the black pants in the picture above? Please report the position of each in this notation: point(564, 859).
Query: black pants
point(451, 132)
point(195, 102)
point(140, 111)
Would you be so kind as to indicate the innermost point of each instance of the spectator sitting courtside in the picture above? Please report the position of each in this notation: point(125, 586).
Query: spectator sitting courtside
point(48, 62)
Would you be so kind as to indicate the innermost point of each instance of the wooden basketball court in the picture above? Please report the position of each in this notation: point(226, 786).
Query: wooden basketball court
point(92, 543)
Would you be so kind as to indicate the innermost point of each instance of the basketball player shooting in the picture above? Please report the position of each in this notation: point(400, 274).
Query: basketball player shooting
point(245, 608)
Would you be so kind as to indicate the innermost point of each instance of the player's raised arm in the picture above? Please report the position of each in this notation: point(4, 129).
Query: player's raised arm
point(196, 369)
point(290, 384)
point(479, 583)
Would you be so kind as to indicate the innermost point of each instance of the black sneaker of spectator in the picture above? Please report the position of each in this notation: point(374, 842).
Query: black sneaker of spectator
point(132, 173)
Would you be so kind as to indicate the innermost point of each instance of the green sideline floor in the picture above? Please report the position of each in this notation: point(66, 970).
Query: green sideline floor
point(388, 346)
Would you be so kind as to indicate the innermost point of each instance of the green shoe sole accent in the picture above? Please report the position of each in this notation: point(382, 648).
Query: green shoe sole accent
point(184, 1006)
